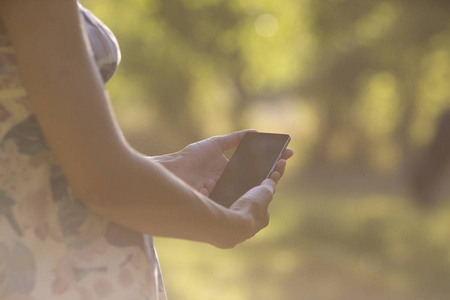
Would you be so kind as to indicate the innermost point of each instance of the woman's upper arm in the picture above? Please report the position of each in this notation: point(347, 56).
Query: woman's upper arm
point(64, 88)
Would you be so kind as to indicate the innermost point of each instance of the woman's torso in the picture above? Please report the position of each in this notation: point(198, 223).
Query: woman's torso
point(51, 245)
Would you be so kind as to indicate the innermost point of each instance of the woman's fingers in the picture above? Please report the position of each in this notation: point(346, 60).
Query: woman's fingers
point(230, 141)
point(270, 184)
point(280, 167)
point(255, 204)
point(208, 187)
point(275, 176)
point(204, 191)
point(209, 184)
point(251, 213)
point(260, 195)
point(287, 154)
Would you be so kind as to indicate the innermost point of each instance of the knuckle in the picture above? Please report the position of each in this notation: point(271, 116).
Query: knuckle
point(266, 192)
point(241, 204)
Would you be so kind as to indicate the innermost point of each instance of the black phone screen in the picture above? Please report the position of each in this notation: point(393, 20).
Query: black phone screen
point(251, 163)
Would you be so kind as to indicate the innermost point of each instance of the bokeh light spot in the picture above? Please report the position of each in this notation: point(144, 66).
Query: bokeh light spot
point(266, 25)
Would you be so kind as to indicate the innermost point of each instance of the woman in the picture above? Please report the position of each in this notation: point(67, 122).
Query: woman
point(75, 197)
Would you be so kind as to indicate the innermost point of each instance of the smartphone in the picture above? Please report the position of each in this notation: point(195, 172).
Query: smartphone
point(253, 161)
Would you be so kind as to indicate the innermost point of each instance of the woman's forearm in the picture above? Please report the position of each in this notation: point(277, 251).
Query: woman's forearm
point(143, 196)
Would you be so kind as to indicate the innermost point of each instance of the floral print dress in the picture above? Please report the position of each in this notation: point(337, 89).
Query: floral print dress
point(52, 246)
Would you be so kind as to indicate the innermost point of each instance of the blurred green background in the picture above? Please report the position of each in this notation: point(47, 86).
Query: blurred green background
point(359, 85)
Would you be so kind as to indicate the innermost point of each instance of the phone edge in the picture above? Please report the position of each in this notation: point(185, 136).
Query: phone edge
point(279, 156)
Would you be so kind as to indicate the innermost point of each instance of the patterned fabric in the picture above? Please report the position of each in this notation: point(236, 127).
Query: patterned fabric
point(52, 246)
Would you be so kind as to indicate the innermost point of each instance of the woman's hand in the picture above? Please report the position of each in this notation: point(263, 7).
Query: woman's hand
point(250, 214)
point(200, 164)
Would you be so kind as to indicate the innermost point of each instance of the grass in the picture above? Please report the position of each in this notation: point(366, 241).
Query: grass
point(323, 246)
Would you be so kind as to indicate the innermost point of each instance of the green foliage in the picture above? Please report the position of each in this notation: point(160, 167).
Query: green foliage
point(375, 73)
point(359, 85)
